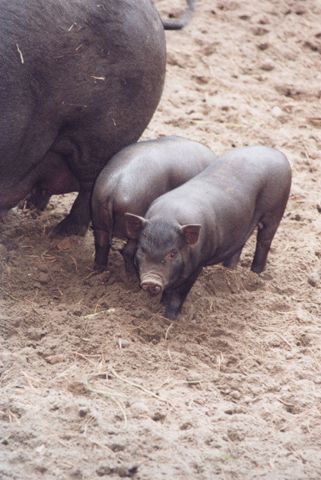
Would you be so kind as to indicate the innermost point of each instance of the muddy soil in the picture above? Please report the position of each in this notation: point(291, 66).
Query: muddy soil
point(95, 382)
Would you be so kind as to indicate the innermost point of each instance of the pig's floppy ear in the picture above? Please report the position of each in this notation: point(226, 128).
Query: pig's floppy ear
point(191, 233)
point(134, 225)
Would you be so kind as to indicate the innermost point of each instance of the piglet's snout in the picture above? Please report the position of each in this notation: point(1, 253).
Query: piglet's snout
point(152, 284)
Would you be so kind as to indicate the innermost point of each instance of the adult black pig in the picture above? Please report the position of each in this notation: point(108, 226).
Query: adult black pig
point(208, 220)
point(132, 179)
point(79, 79)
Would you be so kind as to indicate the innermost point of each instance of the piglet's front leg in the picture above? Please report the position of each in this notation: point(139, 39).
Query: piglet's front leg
point(174, 297)
point(102, 247)
point(172, 300)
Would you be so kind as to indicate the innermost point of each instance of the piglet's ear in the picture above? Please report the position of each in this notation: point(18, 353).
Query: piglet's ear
point(191, 233)
point(134, 225)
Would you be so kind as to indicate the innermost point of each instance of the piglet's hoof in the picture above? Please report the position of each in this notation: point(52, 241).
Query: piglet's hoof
point(171, 313)
point(99, 268)
point(68, 227)
point(3, 216)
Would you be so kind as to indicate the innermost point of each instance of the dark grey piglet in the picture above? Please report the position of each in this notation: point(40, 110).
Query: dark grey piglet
point(135, 177)
point(208, 220)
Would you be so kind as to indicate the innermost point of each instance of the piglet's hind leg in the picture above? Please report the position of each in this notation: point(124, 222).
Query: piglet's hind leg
point(102, 247)
point(128, 253)
point(265, 234)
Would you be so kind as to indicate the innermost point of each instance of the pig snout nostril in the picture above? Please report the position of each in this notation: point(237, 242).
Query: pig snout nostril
point(151, 288)
point(156, 288)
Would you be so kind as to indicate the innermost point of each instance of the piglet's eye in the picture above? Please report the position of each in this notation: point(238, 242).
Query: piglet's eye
point(170, 255)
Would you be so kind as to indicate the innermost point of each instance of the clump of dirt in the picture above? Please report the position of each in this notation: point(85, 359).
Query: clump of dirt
point(95, 382)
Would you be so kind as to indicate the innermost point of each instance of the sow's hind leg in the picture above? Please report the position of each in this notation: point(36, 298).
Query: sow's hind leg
point(37, 199)
point(77, 221)
point(266, 231)
point(78, 161)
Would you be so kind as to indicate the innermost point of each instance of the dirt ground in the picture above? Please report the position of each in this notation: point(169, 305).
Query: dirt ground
point(95, 382)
